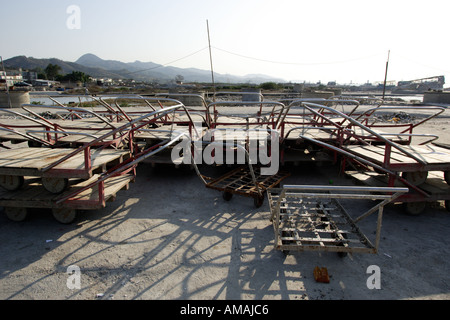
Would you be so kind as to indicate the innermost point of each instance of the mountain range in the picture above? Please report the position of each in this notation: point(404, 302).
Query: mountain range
point(142, 71)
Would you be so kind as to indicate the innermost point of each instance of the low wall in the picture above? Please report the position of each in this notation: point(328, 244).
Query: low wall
point(17, 99)
point(436, 97)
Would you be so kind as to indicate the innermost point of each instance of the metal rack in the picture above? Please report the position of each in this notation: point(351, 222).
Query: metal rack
point(244, 182)
point(311, 218)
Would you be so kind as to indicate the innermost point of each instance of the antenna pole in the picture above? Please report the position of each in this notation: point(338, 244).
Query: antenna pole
point(385, 74)
point(210, 59)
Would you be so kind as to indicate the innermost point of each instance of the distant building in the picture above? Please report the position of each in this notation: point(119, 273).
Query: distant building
point(44, 83)
point(29, 76)
point(420, 85)
point(9, 78)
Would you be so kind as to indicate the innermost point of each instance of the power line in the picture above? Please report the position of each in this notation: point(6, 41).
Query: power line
point(166, 64)
point(296, 63)
point(424, 65)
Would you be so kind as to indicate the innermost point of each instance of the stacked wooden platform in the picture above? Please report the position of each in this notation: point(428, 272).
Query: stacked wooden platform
point(35, 195)
point(80, 143)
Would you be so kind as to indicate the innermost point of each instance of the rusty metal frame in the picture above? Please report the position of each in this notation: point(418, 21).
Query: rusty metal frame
point(311, 218)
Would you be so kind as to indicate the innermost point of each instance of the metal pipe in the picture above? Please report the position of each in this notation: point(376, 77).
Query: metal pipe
point(392, 144)
point(122, 128)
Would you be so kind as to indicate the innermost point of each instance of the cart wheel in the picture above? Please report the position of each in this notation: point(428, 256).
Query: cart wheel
point(342, 254)
point(227, 195)
point(258, 201)
point(415, 208)
point(16, 214)
point(55, 185)
point(34, 144)
point(447, 177)
point(379, 171)
point(416, 178)
point(64, 215)
point(11, 183)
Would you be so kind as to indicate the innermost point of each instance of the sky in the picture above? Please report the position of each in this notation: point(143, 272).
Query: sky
point(346, 41)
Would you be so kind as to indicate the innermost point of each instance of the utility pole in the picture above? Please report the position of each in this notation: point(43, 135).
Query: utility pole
point(385, 74)
point(6, 83)
point(210, 59)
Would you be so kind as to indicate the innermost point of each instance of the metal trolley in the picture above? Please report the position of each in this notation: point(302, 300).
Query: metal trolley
point(245, 182)
point(311, 218)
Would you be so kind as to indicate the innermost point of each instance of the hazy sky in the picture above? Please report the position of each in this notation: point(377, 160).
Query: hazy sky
point(328, 40)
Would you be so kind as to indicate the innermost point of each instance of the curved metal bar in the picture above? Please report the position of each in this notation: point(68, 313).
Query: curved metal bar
point(25, 116)
point(310, 107)
point(204, 103)
point(146, 155)
point(239, 93)
point(367, 162)
point(231, 103)
point(371, 111)
point(74, 109)
point(160, 113)
point(25, 136)
point(178, 105)
point(66, 133)
point(435, 137)
point(319, 100)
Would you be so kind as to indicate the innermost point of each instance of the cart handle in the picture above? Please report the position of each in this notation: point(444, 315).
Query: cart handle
point(345, 188)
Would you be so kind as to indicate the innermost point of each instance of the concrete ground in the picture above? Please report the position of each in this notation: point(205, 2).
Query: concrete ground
point(169, 237)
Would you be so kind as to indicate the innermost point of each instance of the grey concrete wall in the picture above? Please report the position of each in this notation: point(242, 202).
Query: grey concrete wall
point(436, 97)
point(17, 99)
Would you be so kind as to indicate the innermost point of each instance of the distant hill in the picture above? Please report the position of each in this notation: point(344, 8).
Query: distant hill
point(30, 63)
point(144, 71)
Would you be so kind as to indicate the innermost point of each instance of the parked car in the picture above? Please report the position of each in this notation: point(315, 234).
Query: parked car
point(22, 84)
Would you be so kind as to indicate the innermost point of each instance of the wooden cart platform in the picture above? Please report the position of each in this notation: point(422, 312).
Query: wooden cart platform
point(34, 161)
point(434, 158)
point(34, 195)
point(434, 189)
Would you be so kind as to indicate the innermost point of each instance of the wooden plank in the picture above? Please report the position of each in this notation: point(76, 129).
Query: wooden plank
point(35, 158)
point(29, 161)
point(376, 154)
point(35, 195)
point(98, 158)
point(13, 156)
point(432, 154)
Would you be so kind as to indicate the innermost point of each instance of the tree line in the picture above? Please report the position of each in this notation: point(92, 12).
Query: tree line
point(52, 72)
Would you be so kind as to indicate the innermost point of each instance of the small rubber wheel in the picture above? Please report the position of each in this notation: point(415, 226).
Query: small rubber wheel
point(34, 144)
point(447, 177)
point(64, 215)
point(11, 183)
point(258, 201)
point(415, 208)
point(55, 185)
point(227, 195)
point(416, 178)
point(16, 214)
point(342, 254)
